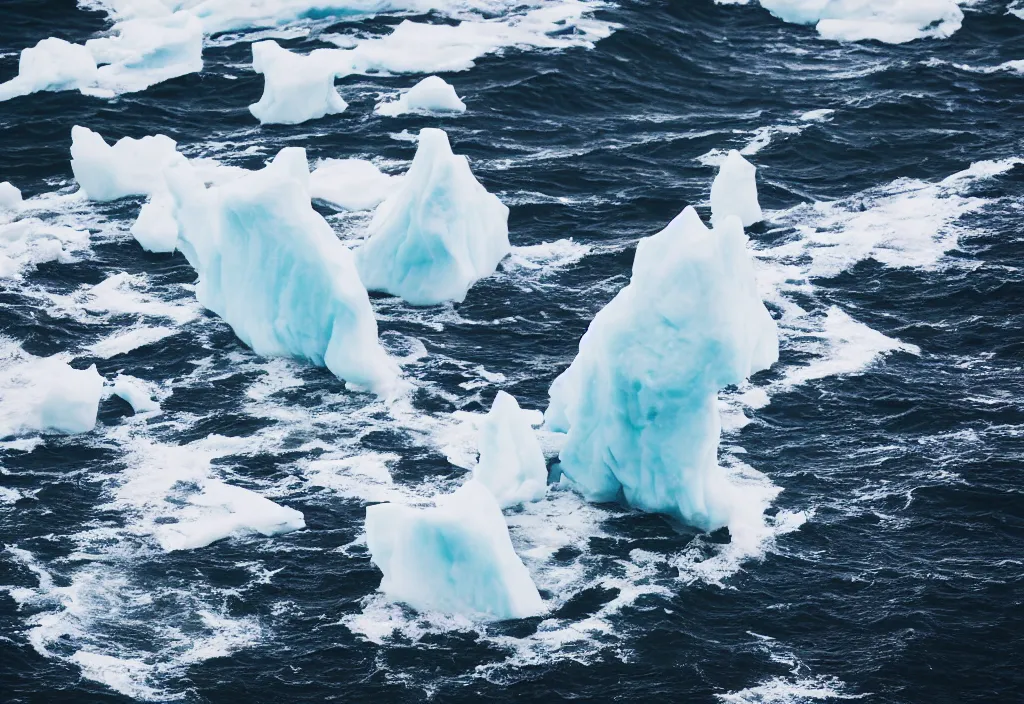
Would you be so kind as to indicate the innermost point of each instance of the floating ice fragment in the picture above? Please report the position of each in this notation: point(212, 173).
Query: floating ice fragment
point(228, 510)
point(48, 395)
point(455, 557)
point(131, 167)
point(438, 234)
point(10, 197)
point(734, 191)
point(296, 87)
point(51, 65)
point(351, 184)
point(273, 269)
point(890, 21)
point(433, 95)
point(155, 228)
point(135, 393)
point(639, 402)
point(511, 462)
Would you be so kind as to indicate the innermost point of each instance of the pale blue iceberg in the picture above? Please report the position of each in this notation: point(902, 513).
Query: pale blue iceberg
point(639, 402)
point(511, 465)
point(734, 191)
point(136, 393)
point(351, 184)
point(274, 270)
point(455, 557)
point(431, 95)
point(438, 234)
point(51, 65)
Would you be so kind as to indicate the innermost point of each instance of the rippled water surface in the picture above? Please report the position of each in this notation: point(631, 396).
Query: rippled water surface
point(891, 568)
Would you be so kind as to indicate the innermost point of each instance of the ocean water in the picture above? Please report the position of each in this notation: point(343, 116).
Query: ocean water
point(891, 566)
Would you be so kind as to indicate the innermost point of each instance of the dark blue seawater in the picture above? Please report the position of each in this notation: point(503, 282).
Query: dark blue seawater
point(893, 568)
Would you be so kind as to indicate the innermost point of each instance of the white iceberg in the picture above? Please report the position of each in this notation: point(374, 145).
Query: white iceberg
point(51, 65)
point(296, 87)
point(10, 198)
point(438, 234)
point(351, 184)
point(455, 557)
point(48, 395)
point(155, 228)
point(131, 167)
point(221, 511)
point(273, 269)
point(145, 51)
point(432, 95)
point(639, 402)
point(136, 393)
point(511, 462)
point(734, 191)
point(890, 21)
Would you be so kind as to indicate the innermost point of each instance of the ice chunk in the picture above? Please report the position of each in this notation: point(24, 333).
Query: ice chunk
point(273, 269)
point(432, 94)
point(224, 510)
point(351, 184)
point(145, 51)
point(511, 462)
point(639, 402)
point(296, 88)
point(51, 65)
point(734, 191)
point(131, 167)
point(455, 557)
point(29, 242)
point(136, 393)
point(155, 228)
point(48, 395)
point(438, 234)
point(10, 197)
point(891, 21)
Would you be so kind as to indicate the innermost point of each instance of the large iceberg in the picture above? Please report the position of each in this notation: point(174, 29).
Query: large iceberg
point(431, 95)
point(296, 87)
point(274, 270)
point(511, 462)
point(891, 21)
point(639, 402)
point(351, 184)
point(734, 191)
point(131, 167)
point(438, 234)
point(454, 557)
point(48, 395)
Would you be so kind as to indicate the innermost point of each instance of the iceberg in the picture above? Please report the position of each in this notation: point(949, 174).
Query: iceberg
point(48, 395)
point(221, 511)
point(296, 88)
point(51, 65)
point(890, 21)
point(432, 95)
point(351, 184)
point(273, 269)
point(145, 51)
point(639, 401)
point(438, 234)
point(734, 191)
point(155, 228)
point(455, 557)
point(131, 167)
point(10, 198)
point(511, 465)
point(135, 393)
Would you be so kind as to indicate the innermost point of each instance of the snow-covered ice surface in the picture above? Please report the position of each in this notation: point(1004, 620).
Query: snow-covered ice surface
point(213, 546)
point(431, 95)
